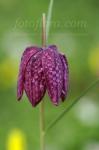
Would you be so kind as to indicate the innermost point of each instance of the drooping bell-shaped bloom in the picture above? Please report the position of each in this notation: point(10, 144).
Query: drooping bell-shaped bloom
point(43, 69)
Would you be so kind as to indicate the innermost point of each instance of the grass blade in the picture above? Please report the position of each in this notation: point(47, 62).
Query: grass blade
point(64, 112)
point(49, 16)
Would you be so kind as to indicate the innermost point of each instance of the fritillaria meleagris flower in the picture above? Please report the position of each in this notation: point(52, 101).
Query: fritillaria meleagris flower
point(43, 69)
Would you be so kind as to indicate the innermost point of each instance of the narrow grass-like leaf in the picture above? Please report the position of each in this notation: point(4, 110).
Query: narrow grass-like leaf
point(64, 112)
point(49, 16)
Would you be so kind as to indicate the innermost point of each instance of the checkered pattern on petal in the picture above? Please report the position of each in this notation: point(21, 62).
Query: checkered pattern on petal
point(53, 72)
point(34, 79)
point(27, 54)
point(65, 77)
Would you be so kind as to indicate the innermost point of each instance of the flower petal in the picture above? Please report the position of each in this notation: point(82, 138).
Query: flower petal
point(53, 71)
point(27, 54)
point(34, 79)
point(65, 77)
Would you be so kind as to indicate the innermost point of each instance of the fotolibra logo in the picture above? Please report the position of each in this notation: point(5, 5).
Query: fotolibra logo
point(56, 25)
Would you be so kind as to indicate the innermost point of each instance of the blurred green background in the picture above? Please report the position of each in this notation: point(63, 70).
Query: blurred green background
point(75, 30)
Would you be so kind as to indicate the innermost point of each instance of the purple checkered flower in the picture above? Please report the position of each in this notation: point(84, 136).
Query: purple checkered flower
point(40, 70)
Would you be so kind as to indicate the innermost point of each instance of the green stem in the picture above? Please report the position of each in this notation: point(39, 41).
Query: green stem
point(42, 127)
point(64, 112)
point(42, 116)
